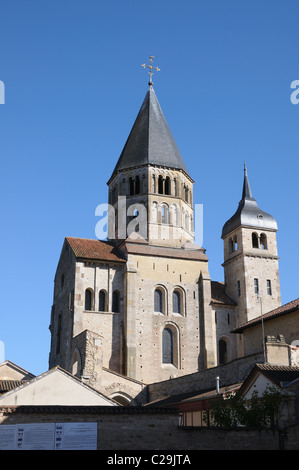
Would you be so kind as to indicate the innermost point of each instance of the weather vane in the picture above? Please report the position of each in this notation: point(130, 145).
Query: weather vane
point(151, 68)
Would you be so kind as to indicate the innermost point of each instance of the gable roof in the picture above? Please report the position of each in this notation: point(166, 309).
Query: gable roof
point(277, 312)
point(277, 374)
point(18, 373)
point(45, 391)
point(150, 141)
point(95, 249)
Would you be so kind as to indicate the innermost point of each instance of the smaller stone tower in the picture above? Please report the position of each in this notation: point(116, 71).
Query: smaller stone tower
point(250, 258)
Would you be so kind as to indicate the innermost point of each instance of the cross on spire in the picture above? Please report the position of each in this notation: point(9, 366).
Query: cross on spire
point(151, 68)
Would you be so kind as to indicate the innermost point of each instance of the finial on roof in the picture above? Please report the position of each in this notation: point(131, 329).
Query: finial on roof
point(151, 68)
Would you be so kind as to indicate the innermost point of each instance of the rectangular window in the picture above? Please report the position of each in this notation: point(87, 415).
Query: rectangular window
point(239, 288)
point(269, 288)
point(256, 286)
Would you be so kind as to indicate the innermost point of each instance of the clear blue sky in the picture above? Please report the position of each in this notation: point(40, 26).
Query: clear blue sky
point(73, 87)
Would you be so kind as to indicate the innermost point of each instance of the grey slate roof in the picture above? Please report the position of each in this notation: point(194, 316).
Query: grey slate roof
point(248, 213)
point(150, 141)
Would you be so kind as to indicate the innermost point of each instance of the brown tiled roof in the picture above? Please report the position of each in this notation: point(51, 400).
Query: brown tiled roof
point(277, 312)
point(95, 249)
point(278, 374)
point(7, 385)
point(219, 296)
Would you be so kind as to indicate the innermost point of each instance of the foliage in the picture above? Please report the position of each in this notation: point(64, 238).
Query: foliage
point(259, 412)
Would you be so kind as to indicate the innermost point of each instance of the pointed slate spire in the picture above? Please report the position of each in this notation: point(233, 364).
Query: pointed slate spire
point(150, 141)
point(248, 213)
point(246, 186)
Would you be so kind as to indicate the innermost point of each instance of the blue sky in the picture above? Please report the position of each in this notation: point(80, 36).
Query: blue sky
point(73, 87)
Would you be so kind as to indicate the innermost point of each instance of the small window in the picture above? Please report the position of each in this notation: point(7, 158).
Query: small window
point(255, 241)
point(88, 299)
point(131, 184)
point(235, 243)
point(176, 302)
point(103, 301)
point(175, 187)
point(164, 214)
point(222, 351)
point(158, 300)
point(263, 241)
point(137, 185)
point(116, 301)
point(167, 185)
point(167, 346)
point(269, 287)
point(256, 286)
point(160, 184)
point(62, 281)
point(186, 194)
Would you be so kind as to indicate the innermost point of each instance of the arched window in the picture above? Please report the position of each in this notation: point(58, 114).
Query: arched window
point(167, 185)
point(137, 185)
point(158, 301)
point(263, 241)
point(222, 347)
point(103, 301)
point(164, 214)
point(155, 212)
point(230, 245)
point(167, 346)
point(88, 299)
point(187, 221)
point(154, 183)
point(235, 243)
point(177, 302)
point(175, 212)
point(115, 301)
point(255, 240)
point(160, 184)
point(175, 187)
point(186, 194)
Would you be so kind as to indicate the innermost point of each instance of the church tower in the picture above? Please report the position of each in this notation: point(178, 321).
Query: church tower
point(139, 303)
point(150, 190)
point(250, 258)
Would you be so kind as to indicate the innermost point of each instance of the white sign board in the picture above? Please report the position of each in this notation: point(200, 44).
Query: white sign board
point(49, 436)
point(76, 436)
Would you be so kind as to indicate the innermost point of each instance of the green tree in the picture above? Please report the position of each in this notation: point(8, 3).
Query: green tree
point(262, 412)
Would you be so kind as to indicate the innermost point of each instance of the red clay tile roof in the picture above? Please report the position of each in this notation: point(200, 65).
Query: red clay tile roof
point(277, 312)
point(95, 249)
point(219, 296)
